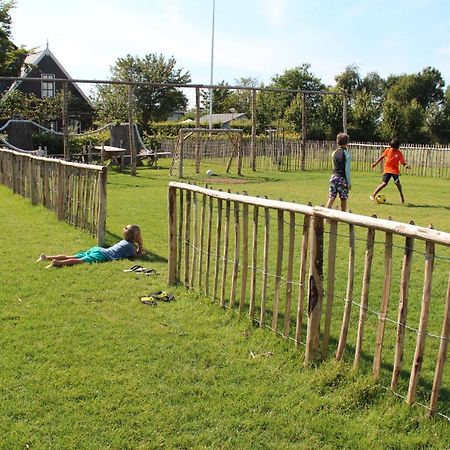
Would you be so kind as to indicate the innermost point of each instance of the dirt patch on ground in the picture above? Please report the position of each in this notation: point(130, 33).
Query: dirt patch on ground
point(220, 180)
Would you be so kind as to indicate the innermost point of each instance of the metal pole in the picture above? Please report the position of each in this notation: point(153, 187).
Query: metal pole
point(212, 66)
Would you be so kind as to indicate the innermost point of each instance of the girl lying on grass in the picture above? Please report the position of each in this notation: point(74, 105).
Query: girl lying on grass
point(129, 247)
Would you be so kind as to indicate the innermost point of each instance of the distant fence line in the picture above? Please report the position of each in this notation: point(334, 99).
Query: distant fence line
point(220, 243)
point(287, 154)
point(76, 192)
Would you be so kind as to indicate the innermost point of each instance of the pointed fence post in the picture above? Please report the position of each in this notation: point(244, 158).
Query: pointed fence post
point(315, 292)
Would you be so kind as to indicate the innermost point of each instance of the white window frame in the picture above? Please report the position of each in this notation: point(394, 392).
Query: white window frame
point(47, 87)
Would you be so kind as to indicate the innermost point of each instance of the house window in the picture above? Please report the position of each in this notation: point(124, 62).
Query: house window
point(74, 125)
point(51, 125)
point(48, 86)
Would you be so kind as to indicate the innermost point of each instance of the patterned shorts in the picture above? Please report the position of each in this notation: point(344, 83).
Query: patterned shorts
point(338, 185)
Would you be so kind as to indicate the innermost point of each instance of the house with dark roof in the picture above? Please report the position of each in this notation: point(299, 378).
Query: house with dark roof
point(45, 65)
point(225, 120)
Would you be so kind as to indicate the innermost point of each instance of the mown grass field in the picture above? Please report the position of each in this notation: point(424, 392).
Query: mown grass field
point(83, 364)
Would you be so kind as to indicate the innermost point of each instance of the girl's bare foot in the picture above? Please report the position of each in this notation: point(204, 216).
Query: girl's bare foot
point(42, 257)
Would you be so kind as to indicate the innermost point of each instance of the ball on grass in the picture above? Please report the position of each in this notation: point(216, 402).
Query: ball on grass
point(209, 173)
point(380, 199)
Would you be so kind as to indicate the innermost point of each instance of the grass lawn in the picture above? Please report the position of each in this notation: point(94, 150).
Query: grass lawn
point(83, 364)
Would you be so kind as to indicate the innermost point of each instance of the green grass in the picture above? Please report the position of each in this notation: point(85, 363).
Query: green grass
point(84, 365)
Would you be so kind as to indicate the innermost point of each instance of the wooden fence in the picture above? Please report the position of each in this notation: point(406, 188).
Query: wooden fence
point(288, 154)
point(76, 192)
point(220, 243)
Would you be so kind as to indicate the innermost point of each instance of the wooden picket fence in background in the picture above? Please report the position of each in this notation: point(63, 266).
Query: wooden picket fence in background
point(288, 154)
point(220, 243)
point(76, 192)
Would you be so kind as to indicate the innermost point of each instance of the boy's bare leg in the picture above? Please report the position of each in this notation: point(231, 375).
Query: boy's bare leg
point(399, 187)
point(378, 189)
point(330, 202)
point(343, 204)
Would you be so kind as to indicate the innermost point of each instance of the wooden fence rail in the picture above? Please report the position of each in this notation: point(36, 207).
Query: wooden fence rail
point(76, 192)
point(253, 254)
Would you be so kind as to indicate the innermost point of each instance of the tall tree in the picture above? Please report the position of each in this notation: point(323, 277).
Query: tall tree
point(11, 56)
point(221, 99)
point(151, 103)
point(287, 105)
point(349, 81)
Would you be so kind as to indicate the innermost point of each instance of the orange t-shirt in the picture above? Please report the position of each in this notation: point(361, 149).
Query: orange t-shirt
point(393, 157)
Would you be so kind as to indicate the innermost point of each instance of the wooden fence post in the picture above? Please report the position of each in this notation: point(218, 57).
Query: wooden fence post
point(244, 257)
point(278, 268)
point(172, 234)
point(422, 333)
point(402, 310)
point(445, 337)
point(226, 239)
point(218, 239)
point(332, 244)
point(376, 368)
point(208, 246)
point(302, 279)
point(348, 295)
point(315, 290)
point(101, 219)
point(290, 269)
point(364, 297)
point(187, 237)
point(65, 121)
point(303, 140)
point(253, 142)
point(252, 306)
point(262, 319)
point(131, 130)
point(237, 239)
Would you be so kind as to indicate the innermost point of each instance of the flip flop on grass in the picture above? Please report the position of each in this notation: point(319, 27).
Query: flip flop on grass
point(148, 301)
point(162, 296)
point(134, 268)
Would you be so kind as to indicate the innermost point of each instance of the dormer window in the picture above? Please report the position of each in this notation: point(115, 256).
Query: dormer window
point(48, 86)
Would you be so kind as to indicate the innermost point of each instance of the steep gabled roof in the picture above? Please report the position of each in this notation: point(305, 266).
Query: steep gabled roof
point(34, 59)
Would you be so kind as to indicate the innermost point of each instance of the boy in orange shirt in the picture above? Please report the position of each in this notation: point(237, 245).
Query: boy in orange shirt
point(393, 158)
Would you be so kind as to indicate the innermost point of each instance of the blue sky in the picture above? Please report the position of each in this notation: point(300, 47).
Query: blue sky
point(253, 38)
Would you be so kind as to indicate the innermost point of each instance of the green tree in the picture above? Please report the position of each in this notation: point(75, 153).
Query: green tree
point(221, 99)
point(151, 103)
point(349, 81)
point(286, 106)
point(241, 99)
point(365, 117)
point(11, 56)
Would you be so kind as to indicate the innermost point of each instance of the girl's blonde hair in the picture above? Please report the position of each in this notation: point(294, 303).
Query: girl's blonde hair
point(134, 235)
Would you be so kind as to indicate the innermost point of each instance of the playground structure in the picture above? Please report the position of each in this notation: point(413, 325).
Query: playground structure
point(220, 244)
point(205, 148)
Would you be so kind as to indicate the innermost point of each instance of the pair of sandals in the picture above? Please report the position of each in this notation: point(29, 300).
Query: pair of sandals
point(153, 299)
point(140, 269)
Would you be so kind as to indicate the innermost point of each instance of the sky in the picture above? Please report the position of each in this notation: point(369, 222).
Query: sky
point(252, 38)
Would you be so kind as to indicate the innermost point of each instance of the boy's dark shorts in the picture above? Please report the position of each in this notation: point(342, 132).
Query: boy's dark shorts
point(388, 176)
point(338, 185)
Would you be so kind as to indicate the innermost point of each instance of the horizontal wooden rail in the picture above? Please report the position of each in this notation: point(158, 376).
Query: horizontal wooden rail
point(403, 229)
